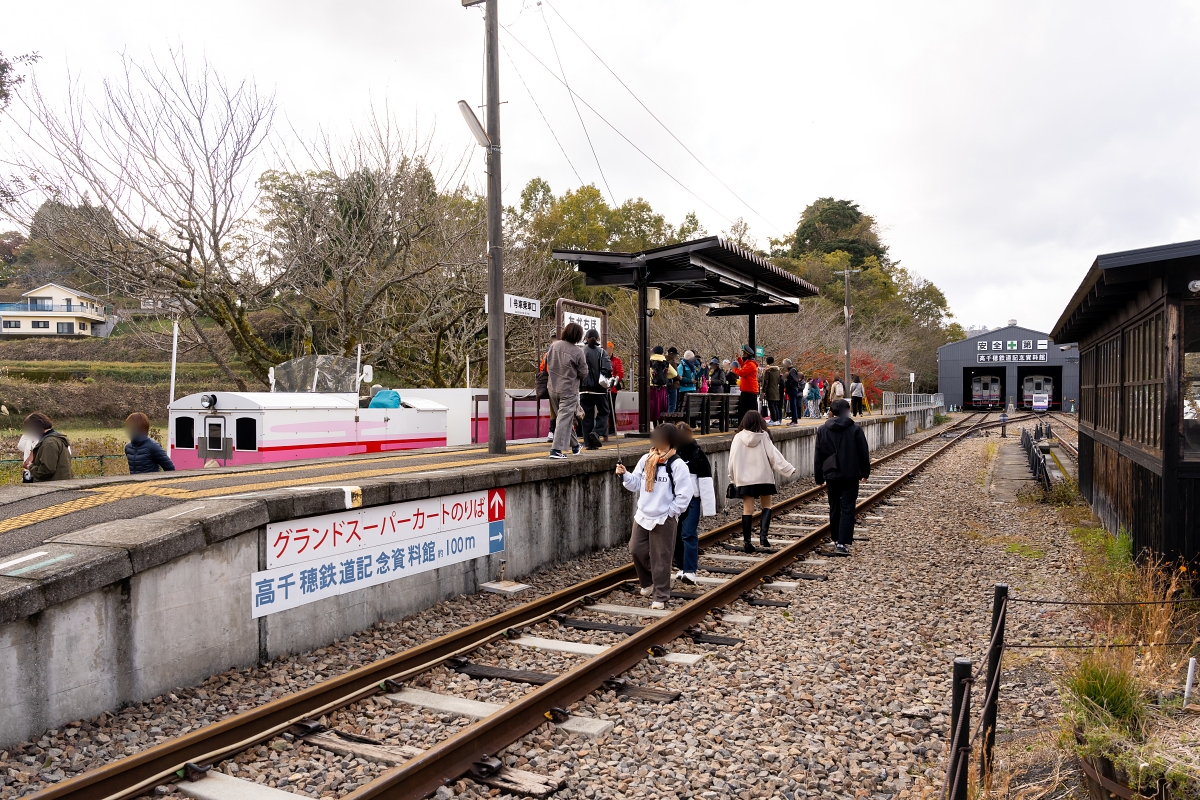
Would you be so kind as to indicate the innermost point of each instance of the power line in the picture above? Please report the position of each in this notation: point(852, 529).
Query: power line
point(539, 110)
point(587, 135)
point(659, 121)
point(616, 130)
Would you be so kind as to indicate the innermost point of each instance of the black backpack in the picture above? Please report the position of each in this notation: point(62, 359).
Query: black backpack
point(658, 373)
point(670, 474)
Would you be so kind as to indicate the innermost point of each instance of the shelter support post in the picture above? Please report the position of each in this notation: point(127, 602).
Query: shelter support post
point(643, 356)
point(753, 338)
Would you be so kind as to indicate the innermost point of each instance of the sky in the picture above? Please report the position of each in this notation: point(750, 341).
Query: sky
point(1001, 146)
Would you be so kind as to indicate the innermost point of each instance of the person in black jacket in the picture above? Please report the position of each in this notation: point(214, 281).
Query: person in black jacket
point(704, 502)
point(143, 453)
point(593, 393)
point(842, 460)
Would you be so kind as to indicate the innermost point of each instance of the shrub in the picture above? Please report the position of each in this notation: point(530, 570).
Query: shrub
point(1104, 688)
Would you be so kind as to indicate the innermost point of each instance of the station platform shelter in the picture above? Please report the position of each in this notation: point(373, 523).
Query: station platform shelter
point(1006, 367)
point(1136, 316)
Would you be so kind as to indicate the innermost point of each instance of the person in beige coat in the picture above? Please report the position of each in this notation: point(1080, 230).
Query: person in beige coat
point(753, 462)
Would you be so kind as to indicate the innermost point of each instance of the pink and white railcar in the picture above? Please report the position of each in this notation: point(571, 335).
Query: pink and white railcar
point(231, 428)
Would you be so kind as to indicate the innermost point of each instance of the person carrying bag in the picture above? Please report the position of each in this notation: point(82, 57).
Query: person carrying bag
point(841, 459)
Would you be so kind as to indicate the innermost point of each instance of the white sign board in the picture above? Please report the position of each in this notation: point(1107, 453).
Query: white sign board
point(521, 306)
point(585, 322)
point(1041, 402)
point(318, 557)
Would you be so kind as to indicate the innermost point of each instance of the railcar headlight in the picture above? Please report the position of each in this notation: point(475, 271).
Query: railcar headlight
point(208, 401)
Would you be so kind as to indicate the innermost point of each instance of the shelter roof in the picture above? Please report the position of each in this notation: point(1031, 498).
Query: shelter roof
point(1112, 279)
point(711, 272)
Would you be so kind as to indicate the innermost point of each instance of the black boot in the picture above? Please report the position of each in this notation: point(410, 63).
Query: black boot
point(747, 531)
point(766, 524)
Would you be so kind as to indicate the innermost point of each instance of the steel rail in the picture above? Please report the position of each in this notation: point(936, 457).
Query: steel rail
point(134, 774)
point(453, 757)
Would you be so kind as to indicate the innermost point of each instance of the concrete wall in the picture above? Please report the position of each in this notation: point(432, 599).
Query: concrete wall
point(122, 612)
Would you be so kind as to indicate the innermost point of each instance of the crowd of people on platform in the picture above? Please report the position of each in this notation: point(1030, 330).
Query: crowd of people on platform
point(581, 379)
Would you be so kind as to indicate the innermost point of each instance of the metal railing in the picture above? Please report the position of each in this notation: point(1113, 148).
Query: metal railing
point(898, 403)
point(53, 308)
point(1037, 459)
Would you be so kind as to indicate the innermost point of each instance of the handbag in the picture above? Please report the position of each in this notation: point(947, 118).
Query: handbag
point(730, 491)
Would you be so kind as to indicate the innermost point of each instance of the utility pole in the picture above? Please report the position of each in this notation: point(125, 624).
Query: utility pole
point(497, 442)
point(846, 273)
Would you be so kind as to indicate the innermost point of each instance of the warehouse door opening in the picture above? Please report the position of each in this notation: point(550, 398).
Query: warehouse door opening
point(1039, 379)
point(984, 387)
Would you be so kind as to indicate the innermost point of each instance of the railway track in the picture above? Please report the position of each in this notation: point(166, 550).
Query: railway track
point(1071, 449)
point(797, 531)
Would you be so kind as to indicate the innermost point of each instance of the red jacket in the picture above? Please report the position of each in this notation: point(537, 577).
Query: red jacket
point(747, 373)
point(618, 371)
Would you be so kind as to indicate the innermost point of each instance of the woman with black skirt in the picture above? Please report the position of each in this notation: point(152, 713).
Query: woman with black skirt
point(753, 461)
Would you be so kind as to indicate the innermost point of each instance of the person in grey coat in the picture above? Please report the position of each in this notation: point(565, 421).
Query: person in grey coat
point(567, 369)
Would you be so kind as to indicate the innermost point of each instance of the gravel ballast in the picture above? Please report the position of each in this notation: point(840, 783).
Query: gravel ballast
point(844, 693)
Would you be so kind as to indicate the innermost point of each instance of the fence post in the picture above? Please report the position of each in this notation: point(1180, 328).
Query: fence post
point(958, 762)
point(991, 696)
point(102, 466)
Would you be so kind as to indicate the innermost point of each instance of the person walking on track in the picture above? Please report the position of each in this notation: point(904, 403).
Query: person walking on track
point(50, 459)
point(594, 394)
point(753, 462)
point(566, 369)
point(618, 383)
point(704, 502)
point(663, 487)
point(747, 374)
point(841, 460)
point(857, 392)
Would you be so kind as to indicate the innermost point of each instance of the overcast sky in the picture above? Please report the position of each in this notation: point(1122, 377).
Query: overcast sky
point(1000, 145)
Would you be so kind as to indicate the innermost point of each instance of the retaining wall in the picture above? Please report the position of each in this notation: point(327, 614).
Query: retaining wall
point(125, 611)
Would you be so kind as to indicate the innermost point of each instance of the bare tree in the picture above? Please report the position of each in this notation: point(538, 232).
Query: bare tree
point(155, 181)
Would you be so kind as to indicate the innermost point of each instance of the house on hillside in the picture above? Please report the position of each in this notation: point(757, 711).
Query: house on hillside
point(54, 310)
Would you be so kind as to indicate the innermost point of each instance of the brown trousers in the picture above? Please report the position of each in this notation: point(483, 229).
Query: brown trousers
point(652, 552)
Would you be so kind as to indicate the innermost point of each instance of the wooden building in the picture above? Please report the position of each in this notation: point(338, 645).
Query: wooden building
point(1136, 317)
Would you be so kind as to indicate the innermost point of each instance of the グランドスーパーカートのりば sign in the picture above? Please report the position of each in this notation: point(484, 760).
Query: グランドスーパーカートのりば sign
point(318, 557)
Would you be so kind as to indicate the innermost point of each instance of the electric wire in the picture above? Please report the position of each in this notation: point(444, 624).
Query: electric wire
point(659, 121)
point(578, 113)
point(616, 130)
point(539, 110)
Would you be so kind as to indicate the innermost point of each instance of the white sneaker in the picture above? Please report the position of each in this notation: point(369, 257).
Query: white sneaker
point(657, 606)
point(646, 591)
point(688, 577)
point(677, 576)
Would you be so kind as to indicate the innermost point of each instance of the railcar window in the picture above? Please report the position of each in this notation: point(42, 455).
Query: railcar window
point(245, 434)
point(1190, 399)
point(185, 433)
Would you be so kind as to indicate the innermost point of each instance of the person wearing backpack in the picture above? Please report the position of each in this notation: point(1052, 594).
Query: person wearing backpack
point(689, 373)
point(663, 487)
point(594, 392)
point(753, 462)
point(842, 459)
point(704, 502)
point(661, 373)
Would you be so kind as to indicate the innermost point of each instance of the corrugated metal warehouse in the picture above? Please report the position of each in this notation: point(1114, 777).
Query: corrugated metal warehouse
point(1006, 366)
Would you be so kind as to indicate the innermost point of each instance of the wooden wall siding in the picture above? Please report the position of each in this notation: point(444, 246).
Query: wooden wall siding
point(1183, 532)
point(1143, 394)
point(1108, 386)
point(1086, 452)
point(1126, 495)
point(1087, 387)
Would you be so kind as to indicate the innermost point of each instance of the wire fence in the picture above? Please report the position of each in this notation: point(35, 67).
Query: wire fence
point(960, 747)
point(96, 466)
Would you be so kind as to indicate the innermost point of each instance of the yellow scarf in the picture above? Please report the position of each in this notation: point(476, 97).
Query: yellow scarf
point(655, 458)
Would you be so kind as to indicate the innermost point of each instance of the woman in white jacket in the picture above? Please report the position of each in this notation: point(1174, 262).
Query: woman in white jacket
point(753, 461)
point(664, 490)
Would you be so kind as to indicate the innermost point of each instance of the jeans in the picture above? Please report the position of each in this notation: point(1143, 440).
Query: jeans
point(843, 496)
point(672, 399)
point(687, 543)
point(564, 430)
point(595, 414)
point(794, 407)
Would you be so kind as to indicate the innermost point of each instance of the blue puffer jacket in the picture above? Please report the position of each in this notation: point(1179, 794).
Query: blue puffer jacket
point(146, 455)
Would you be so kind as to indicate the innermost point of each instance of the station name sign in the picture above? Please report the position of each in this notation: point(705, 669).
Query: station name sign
point(318, 557)
point(991, 358)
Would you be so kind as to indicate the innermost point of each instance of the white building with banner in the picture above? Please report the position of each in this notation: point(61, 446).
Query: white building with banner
point(1008, 366)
